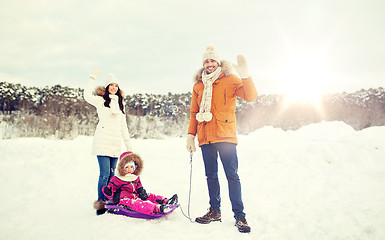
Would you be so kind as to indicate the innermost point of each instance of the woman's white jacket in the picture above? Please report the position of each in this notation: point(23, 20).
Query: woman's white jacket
point(111, 128)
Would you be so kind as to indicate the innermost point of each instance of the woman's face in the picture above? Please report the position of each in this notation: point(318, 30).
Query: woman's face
point(113, 88)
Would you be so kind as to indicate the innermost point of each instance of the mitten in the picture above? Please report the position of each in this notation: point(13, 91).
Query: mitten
point(95, 72)
point(142, 193)
point(107, 192)
point(242, 68)
point(190, 143)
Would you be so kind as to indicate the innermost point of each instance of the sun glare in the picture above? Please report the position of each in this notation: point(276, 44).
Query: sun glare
point(304, 78)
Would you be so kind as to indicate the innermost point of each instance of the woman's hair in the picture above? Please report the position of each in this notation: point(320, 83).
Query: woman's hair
point(107, 99)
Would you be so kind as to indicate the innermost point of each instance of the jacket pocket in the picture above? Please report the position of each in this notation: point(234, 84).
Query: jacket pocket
point(225, 125)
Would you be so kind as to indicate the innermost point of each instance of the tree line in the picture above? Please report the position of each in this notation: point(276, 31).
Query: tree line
point(61, 112)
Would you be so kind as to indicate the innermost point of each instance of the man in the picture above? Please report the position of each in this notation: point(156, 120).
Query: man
point(212, 117)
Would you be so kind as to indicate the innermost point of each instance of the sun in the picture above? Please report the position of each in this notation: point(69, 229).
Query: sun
point(303, 78)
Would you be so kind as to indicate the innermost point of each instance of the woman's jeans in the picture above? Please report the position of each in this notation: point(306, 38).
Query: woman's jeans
point(107, 167)
point(228, 155)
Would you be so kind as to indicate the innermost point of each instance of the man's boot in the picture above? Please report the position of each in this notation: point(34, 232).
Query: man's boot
point(242, 225)
point(210, 216)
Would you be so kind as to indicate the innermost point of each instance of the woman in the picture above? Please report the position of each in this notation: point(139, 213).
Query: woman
point(111, 129)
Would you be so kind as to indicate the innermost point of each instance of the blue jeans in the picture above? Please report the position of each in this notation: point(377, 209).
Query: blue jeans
point(107, 167)
point(228, 155)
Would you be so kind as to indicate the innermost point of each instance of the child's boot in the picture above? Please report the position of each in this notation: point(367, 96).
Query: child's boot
point(164, 208)
point(173, 200)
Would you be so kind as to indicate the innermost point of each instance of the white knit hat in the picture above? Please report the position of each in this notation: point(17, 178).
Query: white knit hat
point(111, 79)
point(210, 53)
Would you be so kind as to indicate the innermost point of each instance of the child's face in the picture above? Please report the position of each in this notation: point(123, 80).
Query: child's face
point(129, 169)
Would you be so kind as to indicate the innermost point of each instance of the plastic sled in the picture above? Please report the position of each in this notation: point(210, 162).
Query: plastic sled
point(126, 211)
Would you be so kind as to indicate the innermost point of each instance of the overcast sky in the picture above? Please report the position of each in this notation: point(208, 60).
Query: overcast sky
point(156, 46)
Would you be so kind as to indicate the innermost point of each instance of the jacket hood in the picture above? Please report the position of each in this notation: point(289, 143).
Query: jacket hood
point(227, 69)
point(128, 158)
point(100, 91)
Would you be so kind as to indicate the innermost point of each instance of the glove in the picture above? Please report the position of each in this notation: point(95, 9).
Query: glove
point(242, 68)
point(95, 72)
point(142, 193)
point(107, 192)
point(190, 143)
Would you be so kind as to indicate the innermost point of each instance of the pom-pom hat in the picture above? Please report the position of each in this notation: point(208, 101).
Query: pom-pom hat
point(111, 79)
point(210, 53)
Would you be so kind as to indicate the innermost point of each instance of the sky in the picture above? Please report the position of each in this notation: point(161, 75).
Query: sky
point(297, 47)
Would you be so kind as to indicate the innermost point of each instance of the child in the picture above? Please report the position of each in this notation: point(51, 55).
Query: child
point(126, 188)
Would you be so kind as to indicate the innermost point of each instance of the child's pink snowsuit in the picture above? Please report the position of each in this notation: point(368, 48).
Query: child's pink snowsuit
point(129, 195)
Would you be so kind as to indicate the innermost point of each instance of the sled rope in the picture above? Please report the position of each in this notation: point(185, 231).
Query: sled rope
point(189, 193)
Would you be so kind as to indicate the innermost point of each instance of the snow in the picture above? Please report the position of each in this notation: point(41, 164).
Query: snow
point(322, 181)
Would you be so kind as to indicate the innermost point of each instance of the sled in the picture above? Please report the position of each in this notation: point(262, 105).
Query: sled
point(126, 211)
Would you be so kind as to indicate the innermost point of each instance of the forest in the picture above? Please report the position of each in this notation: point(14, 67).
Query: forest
point(61, 112)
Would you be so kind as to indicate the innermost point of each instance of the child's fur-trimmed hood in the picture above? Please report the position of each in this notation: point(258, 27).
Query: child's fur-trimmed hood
point(227, 69)
point(128, 158)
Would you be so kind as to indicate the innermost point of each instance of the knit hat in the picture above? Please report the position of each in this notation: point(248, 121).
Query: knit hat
point(111, 79)
point(210, 53)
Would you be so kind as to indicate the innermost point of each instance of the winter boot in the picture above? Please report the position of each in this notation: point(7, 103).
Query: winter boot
point(210, 216)
point(242, 225)
point(101, 211)
point(100, 207)
point(164, 208)
point(173, 200)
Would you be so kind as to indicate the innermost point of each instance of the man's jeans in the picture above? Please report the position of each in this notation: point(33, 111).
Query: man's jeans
point(228, 156)
point(107, 167)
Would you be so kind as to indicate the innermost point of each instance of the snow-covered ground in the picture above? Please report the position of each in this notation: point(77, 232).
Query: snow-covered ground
point(323, 181)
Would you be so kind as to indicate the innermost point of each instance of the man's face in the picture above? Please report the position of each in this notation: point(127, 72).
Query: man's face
point(210, 65)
